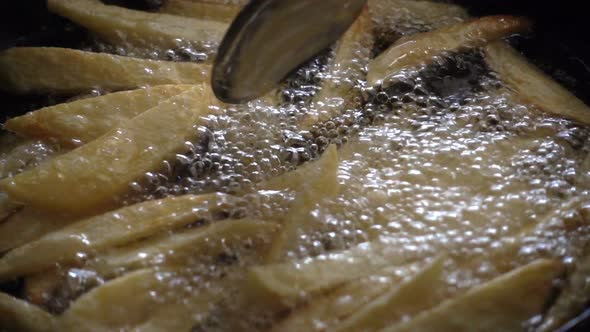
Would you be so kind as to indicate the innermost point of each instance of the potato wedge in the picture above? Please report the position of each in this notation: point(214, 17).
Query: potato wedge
point(219, 12)
point(419, 49)
point(502, 304)
point(141, 301)
point(114, 228)
point(19, 316)
point(346, 69)
point(91, 178)
point(534, 86)
point(81, 121)
point(288, 283)
point(30, 225)
point(420, 292)
point(124, 27)
point(26, 70)
point(207, 241)
point(312, 182)
point(323, 312)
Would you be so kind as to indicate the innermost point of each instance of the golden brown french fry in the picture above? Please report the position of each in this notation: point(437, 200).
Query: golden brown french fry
point(290, 282)
point(534, 86)
point(29, 224)
point(82, 121)
point(128, 303)
point(346, 68)
point(312, 182)
point(220, 12)
point(420, 292)
point(124, 27)
point(91, 178)
point(19, 316)
point(502, 304)
point(53, 70)
point(419, 49)
point(323, 312)
point(98, 233)
point(207, 241)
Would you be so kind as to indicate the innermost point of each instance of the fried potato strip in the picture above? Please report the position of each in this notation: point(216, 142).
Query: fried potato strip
point(20, 316)
point(128, 303)
point(422, 48)
point(287, 283)
point(91, 178)
point(346, 69)
point(202, 10)
point(420, 292)
point(30, 225)
point(95, 234)
point(205, 241)
point(123, 27)
point(51, 70)
point(325, 311)
point(502, 304)
point(82, 121)
point(534, 86)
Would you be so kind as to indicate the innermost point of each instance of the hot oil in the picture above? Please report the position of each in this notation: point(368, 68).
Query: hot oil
point(441, 159)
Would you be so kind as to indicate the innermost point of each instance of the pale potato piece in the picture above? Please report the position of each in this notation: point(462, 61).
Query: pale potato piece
point(202, 10)
point(52, 70)
point(502, 304)
point(206, 241)
point(19, 316)
point(114, 228)
point(140, 301)
point(82, 121)
point(422, 48)
point(346, 68)
point(290, 282)
point(312, 183)
point(533, 85)
point(422, 291)
point(325, 311)
point(122, 26)
point(91, 178)
point(29, 224)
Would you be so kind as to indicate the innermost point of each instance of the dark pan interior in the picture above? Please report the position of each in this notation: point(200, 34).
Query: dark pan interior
point(559, 45)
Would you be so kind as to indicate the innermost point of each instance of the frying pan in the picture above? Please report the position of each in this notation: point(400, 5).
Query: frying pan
point(560, 46)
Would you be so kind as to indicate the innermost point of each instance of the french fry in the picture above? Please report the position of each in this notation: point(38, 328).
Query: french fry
point(26, 155)
point(532, 85)
point(98, 233)
point(91, 178)
point(82, 121)
point(209, 241)
point(502, 304)
point(25, 70)
point(330, 308)
point(419, 49)
point(288, 283)
point(420, 292)
point(123, 27)
point(29, 224)
point(313, 182)
point(201, 10)
point(19, 316)
point(127, 303)
point(346, 68)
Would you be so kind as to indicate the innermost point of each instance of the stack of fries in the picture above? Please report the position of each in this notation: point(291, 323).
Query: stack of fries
point(141, 261)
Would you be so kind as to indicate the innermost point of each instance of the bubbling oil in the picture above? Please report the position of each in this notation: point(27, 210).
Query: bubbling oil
point(441, 158)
